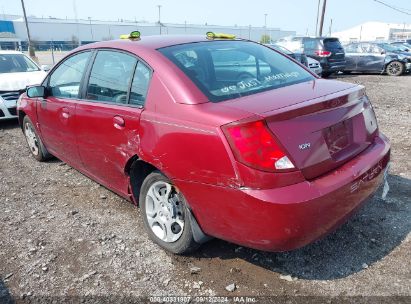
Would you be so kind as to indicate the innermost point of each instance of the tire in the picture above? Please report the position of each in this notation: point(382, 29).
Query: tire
point(165, 215)
point(34, 142)
point(395, 68)
point(325, 74)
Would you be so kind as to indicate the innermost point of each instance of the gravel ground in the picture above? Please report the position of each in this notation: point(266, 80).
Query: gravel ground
point(63, 235)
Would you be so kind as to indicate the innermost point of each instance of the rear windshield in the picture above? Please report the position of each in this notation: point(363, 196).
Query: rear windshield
point(230, 69)
point(332, 43)
point(16, 63)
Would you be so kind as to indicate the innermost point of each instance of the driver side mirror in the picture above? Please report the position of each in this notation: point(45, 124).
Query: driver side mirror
point(36, 91)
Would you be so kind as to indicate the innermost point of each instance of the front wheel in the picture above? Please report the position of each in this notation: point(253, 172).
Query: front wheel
point(34, 142)
point(165, 215)
point(395, 68)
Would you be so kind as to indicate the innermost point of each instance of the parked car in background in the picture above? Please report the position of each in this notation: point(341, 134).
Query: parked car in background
point(272, 161)
point(372, 57)
point(312, 64)
point(301, 58)
point(17, 71)
point(327, 50)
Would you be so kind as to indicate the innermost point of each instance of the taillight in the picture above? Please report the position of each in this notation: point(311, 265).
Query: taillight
point(322, 53)
point(255, 146)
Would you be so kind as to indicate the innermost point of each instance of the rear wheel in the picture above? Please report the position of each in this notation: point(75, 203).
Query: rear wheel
point(395, 68)
point(165, 214)
point(34, 142)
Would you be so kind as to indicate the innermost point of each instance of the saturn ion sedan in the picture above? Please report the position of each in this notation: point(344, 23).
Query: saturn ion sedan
point(211, 137)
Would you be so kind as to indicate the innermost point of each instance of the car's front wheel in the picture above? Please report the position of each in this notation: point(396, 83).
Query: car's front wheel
point(165, 214)
point(395, 68)
point(34, 142)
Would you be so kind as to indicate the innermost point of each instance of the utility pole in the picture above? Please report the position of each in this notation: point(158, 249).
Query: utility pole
point(91, 29)
point(249, 32)
point(77, 25)
point(32, 53)
point(265, 27)
point(331, 27)
point(159, 17)
point(318, 14)
point(320, 33)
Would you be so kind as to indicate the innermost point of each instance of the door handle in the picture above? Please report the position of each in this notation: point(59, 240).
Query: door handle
point(65, 112)
point(119, 122)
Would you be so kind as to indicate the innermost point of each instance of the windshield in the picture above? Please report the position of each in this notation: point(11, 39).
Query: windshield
point(389, 47)
point(16, 63)
point(230, 69)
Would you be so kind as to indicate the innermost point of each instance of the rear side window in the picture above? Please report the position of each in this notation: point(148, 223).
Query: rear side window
point(352, 48)
point(110, 77)
point(312, 44)
point(230, 69)
point(65, 79)
point(332, 44)
point(139, 87)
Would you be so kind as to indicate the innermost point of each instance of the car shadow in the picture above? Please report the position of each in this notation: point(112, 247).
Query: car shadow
point(9, 124)
point(5, 296)
point(377, 229)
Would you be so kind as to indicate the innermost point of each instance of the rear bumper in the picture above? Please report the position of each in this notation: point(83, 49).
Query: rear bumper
point(333, 66)
point(8, 109)
point(293, 216)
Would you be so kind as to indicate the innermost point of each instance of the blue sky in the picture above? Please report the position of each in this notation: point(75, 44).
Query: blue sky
point(299, 15)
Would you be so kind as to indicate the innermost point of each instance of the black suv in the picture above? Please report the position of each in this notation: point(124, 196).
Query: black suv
point(327, 50)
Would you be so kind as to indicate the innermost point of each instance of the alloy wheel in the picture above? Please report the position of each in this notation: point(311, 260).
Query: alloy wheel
point(31, 139)
point(164, 212)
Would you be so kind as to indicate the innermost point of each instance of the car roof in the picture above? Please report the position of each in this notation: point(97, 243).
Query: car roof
point(153, 42)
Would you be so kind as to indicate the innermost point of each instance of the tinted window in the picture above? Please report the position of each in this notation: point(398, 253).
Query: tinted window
point(110, 77)
point(332, 43)
point(311, 44)
point(65, 80)
point(140, 84)
point(231, 69)
point(16, 63)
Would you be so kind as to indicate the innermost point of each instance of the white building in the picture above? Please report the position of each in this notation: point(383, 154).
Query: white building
point(371, 31)
point(65, 31)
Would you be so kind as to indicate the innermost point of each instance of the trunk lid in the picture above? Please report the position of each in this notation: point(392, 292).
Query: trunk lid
point(321, 124)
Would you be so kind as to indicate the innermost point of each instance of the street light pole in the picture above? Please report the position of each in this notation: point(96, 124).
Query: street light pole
point(265, 26)
point(32, 53)
point(159, 17)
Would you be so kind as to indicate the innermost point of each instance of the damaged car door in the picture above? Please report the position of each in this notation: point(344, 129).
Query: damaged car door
point(109, 114)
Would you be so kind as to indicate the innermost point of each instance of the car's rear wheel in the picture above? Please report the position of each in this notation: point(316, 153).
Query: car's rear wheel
point(34, 142)
point(395, 68)
point(165, 214)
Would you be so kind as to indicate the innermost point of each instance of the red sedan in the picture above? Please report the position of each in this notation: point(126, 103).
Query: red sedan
point(211, 137)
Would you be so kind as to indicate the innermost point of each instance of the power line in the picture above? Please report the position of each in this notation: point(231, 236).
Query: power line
point(392, 7)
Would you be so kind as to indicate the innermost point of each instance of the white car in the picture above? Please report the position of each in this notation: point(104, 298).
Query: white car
point(17, 71)
point(314, 66)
